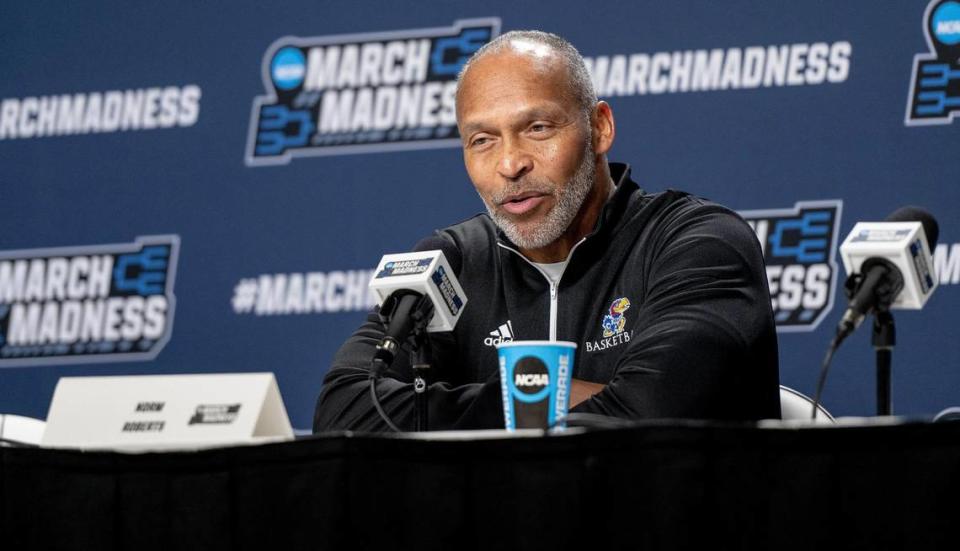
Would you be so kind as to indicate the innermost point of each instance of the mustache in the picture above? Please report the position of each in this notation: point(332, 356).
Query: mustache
point(524, 185)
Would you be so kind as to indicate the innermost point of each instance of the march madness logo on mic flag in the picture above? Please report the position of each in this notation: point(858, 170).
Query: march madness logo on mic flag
point(359, 93)
point(799, 248)
point(935, 82)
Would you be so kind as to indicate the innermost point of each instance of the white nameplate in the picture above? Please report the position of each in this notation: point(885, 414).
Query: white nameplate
point(157, 412)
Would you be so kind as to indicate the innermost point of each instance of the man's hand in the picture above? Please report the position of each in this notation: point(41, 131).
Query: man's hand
point(582, 390)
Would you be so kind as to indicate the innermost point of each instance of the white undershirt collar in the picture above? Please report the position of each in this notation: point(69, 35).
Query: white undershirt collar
point(553, 270)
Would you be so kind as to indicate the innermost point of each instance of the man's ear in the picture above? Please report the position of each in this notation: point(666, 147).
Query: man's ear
point(604, 128)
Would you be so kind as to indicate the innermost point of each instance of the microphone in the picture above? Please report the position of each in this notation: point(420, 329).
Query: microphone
point(889, 265)
point(418, 291)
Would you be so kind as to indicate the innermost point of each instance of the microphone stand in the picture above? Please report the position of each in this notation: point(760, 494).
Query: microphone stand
point(415, 311)
point(421, 316)
point(884, 338)
point(884, 335)
point(420, 368)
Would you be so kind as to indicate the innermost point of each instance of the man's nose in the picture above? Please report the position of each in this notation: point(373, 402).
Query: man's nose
point(514, 162)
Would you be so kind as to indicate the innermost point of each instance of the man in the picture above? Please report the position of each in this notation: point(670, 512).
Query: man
point(665, 294)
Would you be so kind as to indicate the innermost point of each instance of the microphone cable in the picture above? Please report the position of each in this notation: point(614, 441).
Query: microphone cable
point(825, 368)
point(376, 365)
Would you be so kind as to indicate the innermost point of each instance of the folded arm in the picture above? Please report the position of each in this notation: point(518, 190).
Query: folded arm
point(705, 344)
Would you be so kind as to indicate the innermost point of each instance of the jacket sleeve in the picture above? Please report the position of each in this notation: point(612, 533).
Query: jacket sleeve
point(705, 342)
point(345, 402)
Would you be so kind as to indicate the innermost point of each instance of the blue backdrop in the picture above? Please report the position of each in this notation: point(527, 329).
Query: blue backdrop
point(202, 188)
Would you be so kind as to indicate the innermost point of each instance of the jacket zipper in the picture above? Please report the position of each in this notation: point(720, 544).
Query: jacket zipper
point(554, 287)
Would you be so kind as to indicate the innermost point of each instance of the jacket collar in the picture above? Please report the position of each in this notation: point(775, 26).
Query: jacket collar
point(625, 187)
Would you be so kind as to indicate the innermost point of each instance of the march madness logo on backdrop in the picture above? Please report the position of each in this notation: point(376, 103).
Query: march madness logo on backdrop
point(799, 247)
point(359, 93)
point(935, 81)
point(87, 304)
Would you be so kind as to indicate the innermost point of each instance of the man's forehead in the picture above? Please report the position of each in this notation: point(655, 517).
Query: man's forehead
point(516, 70)
point(494, 85)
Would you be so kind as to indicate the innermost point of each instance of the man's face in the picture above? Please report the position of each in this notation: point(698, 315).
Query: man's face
point(527, 145)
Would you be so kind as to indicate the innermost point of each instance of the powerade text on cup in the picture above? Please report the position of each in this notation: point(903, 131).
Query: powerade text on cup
point(535, 381)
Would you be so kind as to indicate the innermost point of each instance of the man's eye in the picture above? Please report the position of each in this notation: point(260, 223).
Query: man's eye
point(538, 127)
point(479, 141)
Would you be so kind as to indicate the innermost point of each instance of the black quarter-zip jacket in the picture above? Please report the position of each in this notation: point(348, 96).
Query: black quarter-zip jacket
point(677, 283)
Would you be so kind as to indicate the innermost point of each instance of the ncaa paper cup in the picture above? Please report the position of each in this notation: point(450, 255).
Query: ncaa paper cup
point(535, 381)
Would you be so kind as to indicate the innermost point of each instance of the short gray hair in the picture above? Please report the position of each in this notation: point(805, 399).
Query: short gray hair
point(581, 84)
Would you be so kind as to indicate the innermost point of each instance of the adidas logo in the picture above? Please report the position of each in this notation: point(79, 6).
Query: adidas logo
point(501, 334)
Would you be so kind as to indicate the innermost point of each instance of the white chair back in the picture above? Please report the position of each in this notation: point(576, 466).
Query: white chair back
point(796, 406)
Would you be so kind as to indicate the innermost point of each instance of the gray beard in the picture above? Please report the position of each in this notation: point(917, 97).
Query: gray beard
point(569, 200)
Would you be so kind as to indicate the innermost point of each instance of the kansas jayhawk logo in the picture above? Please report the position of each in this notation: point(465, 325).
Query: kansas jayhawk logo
point(614, 321)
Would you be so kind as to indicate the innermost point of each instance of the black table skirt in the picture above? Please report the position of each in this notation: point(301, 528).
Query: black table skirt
point(652, 486)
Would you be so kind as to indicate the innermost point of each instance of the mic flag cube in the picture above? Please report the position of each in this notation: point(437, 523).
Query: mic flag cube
point(904, 244)
point(428, 273)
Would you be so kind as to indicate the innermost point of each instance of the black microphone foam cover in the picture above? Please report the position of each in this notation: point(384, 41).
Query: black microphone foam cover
point(450, 251)
point(916, 214)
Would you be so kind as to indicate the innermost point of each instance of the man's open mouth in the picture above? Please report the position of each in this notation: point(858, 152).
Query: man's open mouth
point(522, 203)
